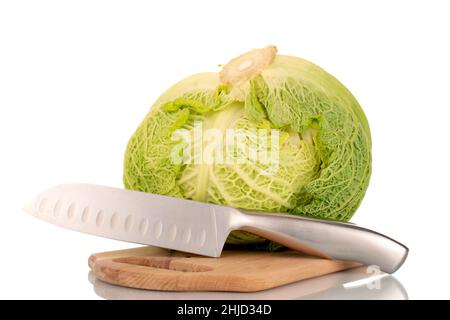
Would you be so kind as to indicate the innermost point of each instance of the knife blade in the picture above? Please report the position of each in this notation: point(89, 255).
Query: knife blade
point(203, 228)
point(134, 217)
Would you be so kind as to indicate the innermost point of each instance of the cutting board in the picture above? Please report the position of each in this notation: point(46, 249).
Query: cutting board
point(236, 270)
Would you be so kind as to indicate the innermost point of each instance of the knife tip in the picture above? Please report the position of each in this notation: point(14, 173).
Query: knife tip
point(29, 207)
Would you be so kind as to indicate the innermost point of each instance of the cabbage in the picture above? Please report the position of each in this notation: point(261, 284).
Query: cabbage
point(313, 125)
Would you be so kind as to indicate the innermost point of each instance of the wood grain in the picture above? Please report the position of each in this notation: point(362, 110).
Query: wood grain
point(238, 271)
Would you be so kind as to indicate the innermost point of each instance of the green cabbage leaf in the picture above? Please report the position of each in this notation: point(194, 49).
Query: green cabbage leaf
point(323, 143)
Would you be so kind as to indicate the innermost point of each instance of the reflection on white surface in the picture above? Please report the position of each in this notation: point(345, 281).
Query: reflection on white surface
point(346, 285)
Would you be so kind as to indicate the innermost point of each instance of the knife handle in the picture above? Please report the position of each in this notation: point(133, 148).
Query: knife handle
point(325, 238)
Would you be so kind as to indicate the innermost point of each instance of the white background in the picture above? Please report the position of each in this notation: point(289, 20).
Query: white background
point(77, 77)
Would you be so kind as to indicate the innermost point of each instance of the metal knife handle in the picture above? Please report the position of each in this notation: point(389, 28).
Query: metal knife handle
point(329, 239)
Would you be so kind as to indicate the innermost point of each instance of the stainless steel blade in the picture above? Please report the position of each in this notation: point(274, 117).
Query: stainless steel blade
point(202, 228)
point(133, 216)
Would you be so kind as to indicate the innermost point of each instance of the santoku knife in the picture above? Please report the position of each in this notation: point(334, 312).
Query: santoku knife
point(202, 228)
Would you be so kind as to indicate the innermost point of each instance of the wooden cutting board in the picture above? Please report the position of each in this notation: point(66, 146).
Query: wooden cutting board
point(236, 270)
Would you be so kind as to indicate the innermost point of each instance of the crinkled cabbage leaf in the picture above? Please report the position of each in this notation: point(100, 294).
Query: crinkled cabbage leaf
point(323, 145)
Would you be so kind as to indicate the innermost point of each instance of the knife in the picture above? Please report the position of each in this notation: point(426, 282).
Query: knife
point(202, 228)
